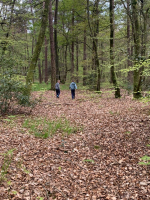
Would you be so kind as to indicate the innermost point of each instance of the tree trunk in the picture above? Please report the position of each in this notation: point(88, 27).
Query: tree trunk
point(56, 41)
point(129, 63)
point(77, 60)
point(84, 59)
point(144, 28)
point(40, 74)
point(137, 50)
point(53, 64)
point(42, 70)
point(72, 46)
point(30, 74)
point(66, 65)
point(95, 59)
point(112, 69)
point(46, 63)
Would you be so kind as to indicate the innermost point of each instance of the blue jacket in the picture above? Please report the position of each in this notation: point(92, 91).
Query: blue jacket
point(57, 86)
point(73, 86)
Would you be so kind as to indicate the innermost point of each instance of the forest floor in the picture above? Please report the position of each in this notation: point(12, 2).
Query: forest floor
point(99, 160)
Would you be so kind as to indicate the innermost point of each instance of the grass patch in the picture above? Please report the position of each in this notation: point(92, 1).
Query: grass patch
point(96, 147)
point(145, 160)
point(112, 113)
point(44, 87)
point(88, 160)
point(128, 132)
point(44, 128)
point(6, 163)
point(41, 86)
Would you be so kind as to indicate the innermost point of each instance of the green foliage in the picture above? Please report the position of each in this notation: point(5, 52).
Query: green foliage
point(146, 160)
point(128, 132)
point(41, 86)
point(11, 86)
point(88, 160)
point(44, 128)
point(6, 163)
point(91, 80)
point(96, 147)
point(40, 198)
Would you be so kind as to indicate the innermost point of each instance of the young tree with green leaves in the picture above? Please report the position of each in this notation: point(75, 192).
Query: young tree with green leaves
point(36, 53)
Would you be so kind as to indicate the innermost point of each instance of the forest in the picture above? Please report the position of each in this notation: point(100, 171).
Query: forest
point(95, 146)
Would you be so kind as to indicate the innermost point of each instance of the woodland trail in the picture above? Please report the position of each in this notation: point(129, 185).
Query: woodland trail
point(100, 161)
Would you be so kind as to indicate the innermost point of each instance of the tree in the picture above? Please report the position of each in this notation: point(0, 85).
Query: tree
point(56, 40)
point(113, 75)
point(36, 53)
point(53, 64)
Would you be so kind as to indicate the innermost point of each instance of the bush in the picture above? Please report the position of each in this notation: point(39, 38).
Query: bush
point(92, 80)
point(11, 90)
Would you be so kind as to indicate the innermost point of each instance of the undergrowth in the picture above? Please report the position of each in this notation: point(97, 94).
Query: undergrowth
point(6, 163)
point(44, 128)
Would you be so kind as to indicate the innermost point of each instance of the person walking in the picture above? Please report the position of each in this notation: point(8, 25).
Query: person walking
point(73, 87)
point(57, 87)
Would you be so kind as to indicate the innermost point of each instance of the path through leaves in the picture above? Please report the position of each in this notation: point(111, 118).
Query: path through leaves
point(99, 161)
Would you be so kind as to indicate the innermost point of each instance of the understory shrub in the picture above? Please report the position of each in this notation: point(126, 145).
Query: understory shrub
point(12, 90)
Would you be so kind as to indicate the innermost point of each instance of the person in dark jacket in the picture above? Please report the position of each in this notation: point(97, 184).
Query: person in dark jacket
point(73, 87)
point(57, 87)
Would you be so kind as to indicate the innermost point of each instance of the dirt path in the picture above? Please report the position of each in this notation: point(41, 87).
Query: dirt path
point(98, 162)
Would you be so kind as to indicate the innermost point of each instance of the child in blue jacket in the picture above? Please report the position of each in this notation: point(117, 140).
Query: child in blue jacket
point(73, 87)
point(57, 88)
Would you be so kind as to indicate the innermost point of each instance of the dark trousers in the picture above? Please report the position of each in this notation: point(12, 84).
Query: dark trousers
point(57, 93)
point(73, 94)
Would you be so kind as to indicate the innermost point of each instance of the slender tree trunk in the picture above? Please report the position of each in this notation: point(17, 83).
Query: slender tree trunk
point(30, 75)
point(40, 74)
point(144, 28)
point(46, 63)
point(66, 65)
point(112, 69)
point(72, 46)
point(129, 63)
point(137, 50)
point(56, 41)
point(53, 64)
point(95, 59)
point(84, 59)
point(128, 33)
point(33, 39)
point(77, 59)
point(98, 78)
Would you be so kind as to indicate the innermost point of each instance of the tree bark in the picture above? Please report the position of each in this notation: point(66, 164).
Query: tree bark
point(30, 74)
point(137, 50)
point(84, 59)
point(77, 60)
point(129, 63)
point(40, 74)
point(56, 41)
point(72, 46)
point(112, 69)
point(95, 59)
point(52, 47)
point(46, 63)
point(66, 65)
